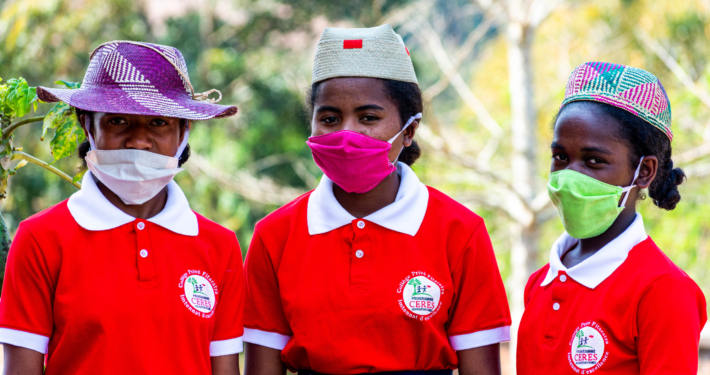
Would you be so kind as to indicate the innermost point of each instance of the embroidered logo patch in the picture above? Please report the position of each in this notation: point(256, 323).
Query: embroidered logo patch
point(421, 295)
point(199, 293)
point(587, 349)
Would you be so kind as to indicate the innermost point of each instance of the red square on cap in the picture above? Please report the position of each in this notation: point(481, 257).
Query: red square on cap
point(353, 43)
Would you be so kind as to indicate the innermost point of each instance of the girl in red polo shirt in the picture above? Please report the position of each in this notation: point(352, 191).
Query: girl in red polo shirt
point(610, 301)
point(372, 271)
point(123, 278)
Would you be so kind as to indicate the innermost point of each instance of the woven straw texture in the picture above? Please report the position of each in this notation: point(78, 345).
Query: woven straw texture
point(382, 55)
point(137, 78)
point(632, 89)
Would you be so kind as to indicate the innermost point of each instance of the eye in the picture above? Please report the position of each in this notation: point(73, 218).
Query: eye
point(369, 118)
point(329, 120)
point(559, 157)
point(159, 122)
point(595, 161)
point(118, 121)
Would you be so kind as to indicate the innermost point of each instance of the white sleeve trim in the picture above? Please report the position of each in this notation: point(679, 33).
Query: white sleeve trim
point(24, 339)
point(480, 338)
point(226, 347)
point(271, 340)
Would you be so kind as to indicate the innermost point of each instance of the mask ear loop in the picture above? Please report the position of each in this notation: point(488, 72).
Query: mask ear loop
point(183, 144)
point(418, 116)
point(627, 189)
point(409, 122)
point(88, 131)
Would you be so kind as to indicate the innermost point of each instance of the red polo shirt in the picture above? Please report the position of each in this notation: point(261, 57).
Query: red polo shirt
point(104, 293)
point(627, 309)
point(401, 289)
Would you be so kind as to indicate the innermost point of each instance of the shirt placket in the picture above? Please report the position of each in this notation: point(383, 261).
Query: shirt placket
point(146, 264)
point(360, 254)
point(558, 308)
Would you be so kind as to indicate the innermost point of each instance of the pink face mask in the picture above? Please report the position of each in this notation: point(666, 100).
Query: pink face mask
point(354, 161)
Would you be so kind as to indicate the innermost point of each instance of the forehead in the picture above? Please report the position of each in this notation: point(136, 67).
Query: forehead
point(355, 91)
point(585, 126)
point(133, 117)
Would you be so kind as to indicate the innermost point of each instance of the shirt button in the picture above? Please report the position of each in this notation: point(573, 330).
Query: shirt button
point(555, 306)
point(359, 253)
point(361, 224)
point(563, 278)
point(141, 225)
point(144, 253)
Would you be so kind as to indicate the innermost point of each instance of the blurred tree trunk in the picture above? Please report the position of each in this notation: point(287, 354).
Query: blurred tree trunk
point(525, 233)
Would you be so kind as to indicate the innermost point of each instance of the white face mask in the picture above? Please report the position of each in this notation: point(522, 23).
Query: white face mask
point(135, 176)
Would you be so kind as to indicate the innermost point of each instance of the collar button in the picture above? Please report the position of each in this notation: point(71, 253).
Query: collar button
point(563, 278)
point(361, 224)
point(140, 225)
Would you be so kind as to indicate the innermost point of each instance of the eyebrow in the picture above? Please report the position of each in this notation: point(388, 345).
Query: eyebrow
point(600, 150)
point(327, 108)
point(368, 106)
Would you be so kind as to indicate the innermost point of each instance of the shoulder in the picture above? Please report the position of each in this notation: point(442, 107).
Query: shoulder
point(535, 280)
point(56, 217)
point(283, 217)
point(213, 231)
point(648, 262)
point(445, 210)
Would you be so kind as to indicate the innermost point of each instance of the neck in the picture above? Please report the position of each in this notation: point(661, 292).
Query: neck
point(361, 205)
point(589, 246)
point(140, 211)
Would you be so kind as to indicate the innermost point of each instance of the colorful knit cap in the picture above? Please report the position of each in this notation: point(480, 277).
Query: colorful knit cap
point(631, 89)
point(142, 79)
point(376, 52)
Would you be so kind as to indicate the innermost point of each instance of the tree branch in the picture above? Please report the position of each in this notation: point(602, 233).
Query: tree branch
point(437, 88)
point(673, 65)
point(19, 155)
point(428, 34)
point(257, 189)
point(7, 131)
point(692, 155)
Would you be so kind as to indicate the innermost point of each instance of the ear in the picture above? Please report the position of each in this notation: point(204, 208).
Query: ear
point(409, 133)
point(649, 168)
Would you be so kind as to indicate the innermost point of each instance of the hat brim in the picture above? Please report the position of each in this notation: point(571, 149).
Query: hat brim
point(111, 100)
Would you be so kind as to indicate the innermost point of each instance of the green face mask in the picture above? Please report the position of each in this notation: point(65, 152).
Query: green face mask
point(586, 205)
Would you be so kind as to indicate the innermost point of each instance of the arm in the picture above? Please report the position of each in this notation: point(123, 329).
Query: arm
point(261, 360)
point(484, 360)
point(22, 361)
point(225, 365)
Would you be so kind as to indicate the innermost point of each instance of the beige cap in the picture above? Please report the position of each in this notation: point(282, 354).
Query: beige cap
point(376, 52)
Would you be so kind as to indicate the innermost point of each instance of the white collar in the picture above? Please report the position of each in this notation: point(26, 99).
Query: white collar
point(595, 269)
point(92, 211)
point(404, 215)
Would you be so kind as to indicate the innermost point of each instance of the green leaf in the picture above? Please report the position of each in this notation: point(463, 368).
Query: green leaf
point(69, 85)
point(59, 114)
point(79, 175)
point(18, 98)
point(67, 137)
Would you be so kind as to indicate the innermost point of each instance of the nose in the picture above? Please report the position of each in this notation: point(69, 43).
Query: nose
point(138, 138)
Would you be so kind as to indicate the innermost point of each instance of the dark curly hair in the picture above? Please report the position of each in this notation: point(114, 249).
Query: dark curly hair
point(645, 139)
point(84, 147)
point(407, 97)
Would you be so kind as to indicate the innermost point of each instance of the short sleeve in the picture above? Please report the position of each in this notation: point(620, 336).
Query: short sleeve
point(479, 315)
point(27, 295)
point(264, 321)
point(671, 314)
point(229, 328)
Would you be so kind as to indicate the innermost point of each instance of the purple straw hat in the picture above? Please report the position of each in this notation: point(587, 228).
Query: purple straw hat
point(141, 79)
